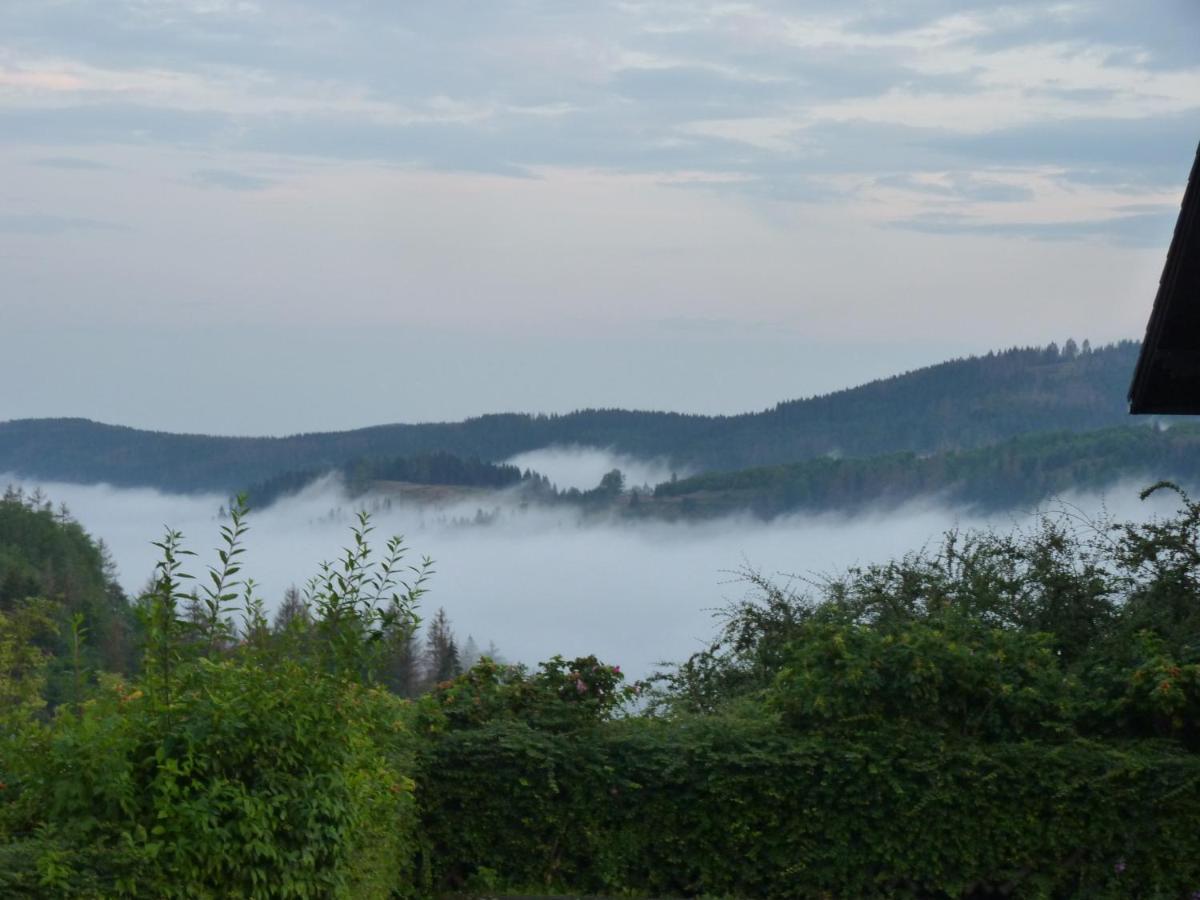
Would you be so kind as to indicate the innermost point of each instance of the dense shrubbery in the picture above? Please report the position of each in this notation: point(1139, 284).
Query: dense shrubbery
point(1008, 715)
point(237, 764)
point(737, 806)
point(255, 780)
point(1004, 716)
point(560, 696)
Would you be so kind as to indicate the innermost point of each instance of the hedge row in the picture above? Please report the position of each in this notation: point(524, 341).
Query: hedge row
point(727, 807)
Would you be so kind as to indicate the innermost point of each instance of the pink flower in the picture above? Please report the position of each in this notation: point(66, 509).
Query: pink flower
point(580, 686)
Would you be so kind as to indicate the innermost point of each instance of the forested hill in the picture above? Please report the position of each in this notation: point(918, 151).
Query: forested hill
point(1022, 472)
point(956, 405)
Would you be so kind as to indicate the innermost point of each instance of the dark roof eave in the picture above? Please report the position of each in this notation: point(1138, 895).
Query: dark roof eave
point(1167, 378)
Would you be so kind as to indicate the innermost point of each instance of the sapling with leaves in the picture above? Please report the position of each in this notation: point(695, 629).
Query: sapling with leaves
point(218, 596)
point(165, 631)
point(78, 669)
point(362, 604)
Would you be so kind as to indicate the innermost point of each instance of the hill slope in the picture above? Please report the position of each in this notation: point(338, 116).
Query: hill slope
point(1019, 473)
point(956, 405)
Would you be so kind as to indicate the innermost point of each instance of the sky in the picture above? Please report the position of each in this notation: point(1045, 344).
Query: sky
point(268, 217)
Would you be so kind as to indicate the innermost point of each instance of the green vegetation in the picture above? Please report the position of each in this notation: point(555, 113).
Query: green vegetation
point(45, 554)
point(238, 762)
point(1010, 715)
point(956, 405)
point(1020, 472)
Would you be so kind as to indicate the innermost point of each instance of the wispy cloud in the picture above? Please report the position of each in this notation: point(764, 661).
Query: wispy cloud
point(52, 225)
point(70, 162)
point(1147, 229)
point(644, 86)
point(230, 180)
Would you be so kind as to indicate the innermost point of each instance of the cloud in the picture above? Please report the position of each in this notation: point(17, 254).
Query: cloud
point(230, 180)
point(960, 186)
point(51, 225)
point(70, 162)
point(583, 467)
point(629, 77)
point(1147, 229)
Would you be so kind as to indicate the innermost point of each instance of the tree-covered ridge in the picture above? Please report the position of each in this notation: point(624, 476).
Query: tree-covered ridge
point(1017, 473)
point(438, 468)
point(959, 404)
point(48, 559)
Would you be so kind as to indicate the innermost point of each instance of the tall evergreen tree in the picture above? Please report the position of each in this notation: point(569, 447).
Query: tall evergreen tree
point(470, 653)
point(292, 608)
point(441, 650)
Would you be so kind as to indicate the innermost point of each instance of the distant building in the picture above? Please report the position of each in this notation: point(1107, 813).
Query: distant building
point(1167, 377)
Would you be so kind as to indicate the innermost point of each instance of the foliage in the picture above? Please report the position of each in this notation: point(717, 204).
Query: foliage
point(1160, 695)
point(1010, 715)
point(46, 554)
point(953, 678)
point(255, 781)
point(226, 771)
point(1013, 473)
point(1059, 588)
point(561, 695)
point(362, 604)
point(725, 806)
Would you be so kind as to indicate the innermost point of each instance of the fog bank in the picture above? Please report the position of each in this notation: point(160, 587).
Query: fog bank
point(538, 581)
point(581, 467)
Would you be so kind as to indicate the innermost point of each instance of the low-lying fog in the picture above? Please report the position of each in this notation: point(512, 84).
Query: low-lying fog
point(583, 467)
point(537, 581)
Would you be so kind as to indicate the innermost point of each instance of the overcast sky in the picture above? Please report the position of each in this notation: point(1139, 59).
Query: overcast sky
point(264, 217)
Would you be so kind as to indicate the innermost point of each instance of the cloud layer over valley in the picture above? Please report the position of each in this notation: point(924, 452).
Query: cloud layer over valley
point(536, 581)
point(583, 467)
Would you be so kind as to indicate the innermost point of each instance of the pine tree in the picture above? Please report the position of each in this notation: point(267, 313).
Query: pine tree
point(470, 653)
point(441, 651)
point(293, 608)
point(400, 670)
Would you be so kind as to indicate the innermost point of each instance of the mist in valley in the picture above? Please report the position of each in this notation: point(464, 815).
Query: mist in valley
point(543, 580)
point(583, 467)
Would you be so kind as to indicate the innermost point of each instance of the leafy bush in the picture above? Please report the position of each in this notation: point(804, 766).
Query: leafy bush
point(226, 771)
point(954, 677)
point(561, 695)
point(256, 780)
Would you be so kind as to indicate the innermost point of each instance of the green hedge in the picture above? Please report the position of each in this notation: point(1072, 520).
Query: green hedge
point(730, 807)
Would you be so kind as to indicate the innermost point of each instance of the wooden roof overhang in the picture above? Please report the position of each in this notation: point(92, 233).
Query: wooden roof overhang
point(1167, 377)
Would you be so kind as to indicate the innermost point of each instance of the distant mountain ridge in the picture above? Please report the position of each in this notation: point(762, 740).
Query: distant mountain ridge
point(956, 405)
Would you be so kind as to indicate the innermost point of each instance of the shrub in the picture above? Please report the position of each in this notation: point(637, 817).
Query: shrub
point(226, 771)
point(561, 695)
point(953, 677)
point(255, 781)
